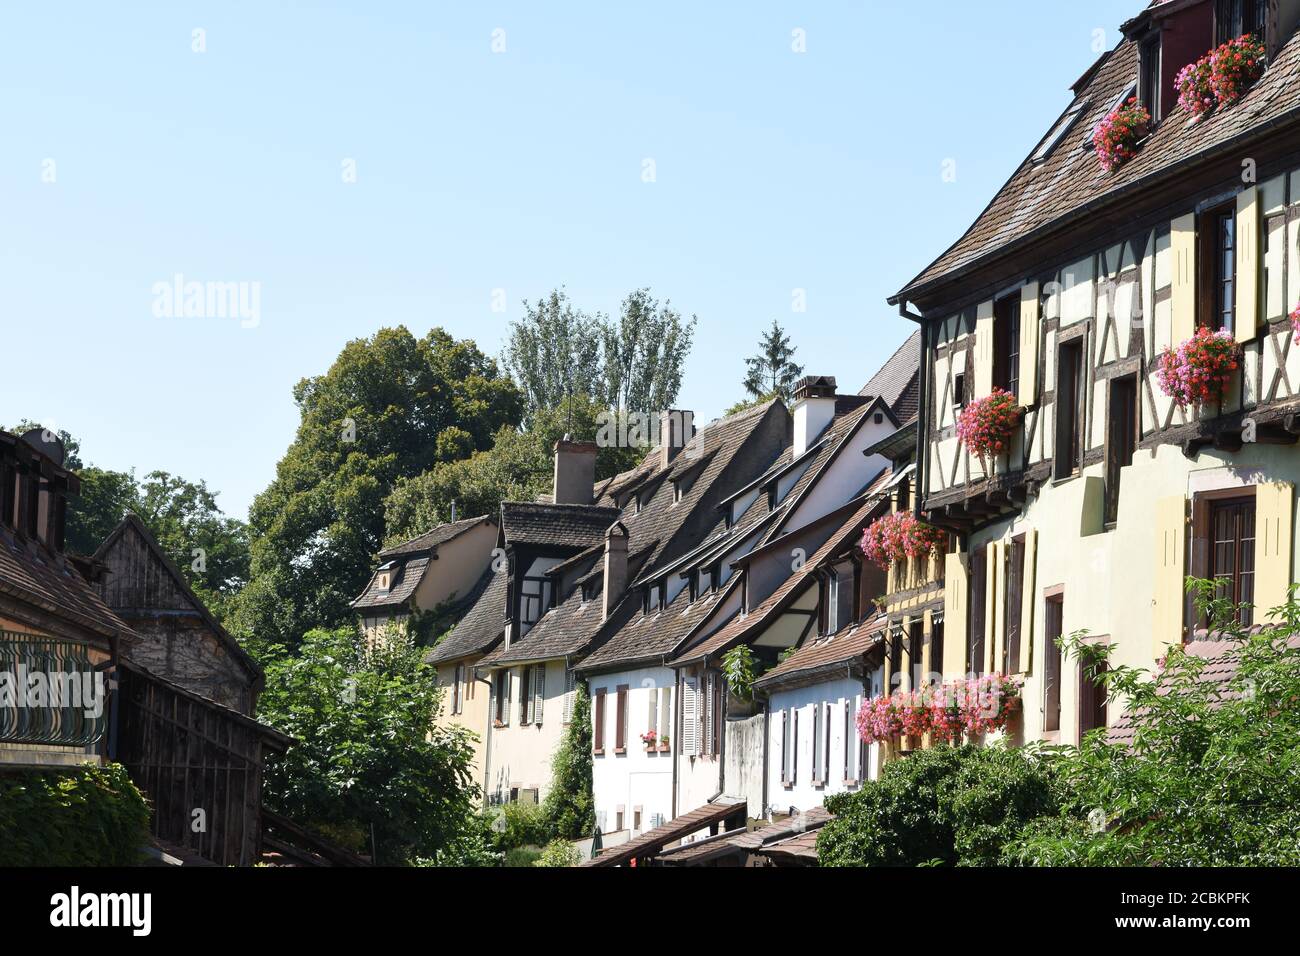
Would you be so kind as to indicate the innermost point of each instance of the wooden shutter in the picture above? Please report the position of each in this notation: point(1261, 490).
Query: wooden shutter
point(620, 716)
point(1171, 530)
point(1274, 508)
point(598, 711)
point(956, 598)
point(826, 742)
point(993, 578)
point(849, 775)
point(570, 691)
point(1027, 602)
point(785, 746)
point(794, 747)
point(1246, 317)
point(983, 349)
point(690, 717)
point(1028, 344)
point(539, 692)
point(817, 767)
point(1182, 249)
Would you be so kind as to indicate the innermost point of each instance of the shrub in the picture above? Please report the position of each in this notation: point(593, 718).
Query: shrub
point(943, 806)
point(1197, 371)
point(82, 816)
point(559, 853)
point(1116, 138)
point(570, 807)
point(520, 824)
point(740, 668)
point(522, 856)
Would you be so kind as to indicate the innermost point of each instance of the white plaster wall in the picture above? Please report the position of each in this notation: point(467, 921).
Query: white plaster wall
point(639, 778)
point(841, 693)
point(520, 756)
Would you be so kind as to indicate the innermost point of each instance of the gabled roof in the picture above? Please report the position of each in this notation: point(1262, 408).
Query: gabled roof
point(1041, 199)
point(132, 524)
point(552, 525)
point(818, 655)
point(652, 841)
point(406, 574)
point(482, 626)
point(898, 381)
point(430, 540)
point(33, 574)
point(745, 841)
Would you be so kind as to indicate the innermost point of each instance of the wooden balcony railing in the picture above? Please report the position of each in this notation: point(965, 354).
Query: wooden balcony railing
point(50, 692)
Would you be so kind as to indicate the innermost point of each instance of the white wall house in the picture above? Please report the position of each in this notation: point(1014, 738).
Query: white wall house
point(632, 769)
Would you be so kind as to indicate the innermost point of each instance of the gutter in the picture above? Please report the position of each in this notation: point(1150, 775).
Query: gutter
point(923, 414)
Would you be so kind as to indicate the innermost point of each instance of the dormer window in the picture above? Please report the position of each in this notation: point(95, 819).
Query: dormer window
point(386, 573)
point(1149, 75)
point(1233, 18)
point(654, 598)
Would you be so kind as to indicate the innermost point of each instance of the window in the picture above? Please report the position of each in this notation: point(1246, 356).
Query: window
point(652, 718)
point(620, 720)
point(936, 649)
point(915, 648)
point(1015, 571)
point(819, 753)
point(457, 702)
point(1232, 18)
point(1006, 343)
point(618, 817)
point(665, 714)
point(689, 732)
point(1232, 553)
point(654, 598)
point(712, 713)
point(1069, 393)
point(850, 735)
point(538, 687)
point(533, 594)
point(501, 691)
point(570, 690)
point(1218, 235)
point(598, 716)
point(975, 635)
point(1053, 622)
point(636, 819)
point(8, 484)
point(959, 390)
point(1149, 75)
point(787, 748)
point(839, 597)
point(1121, 438)
point(895, 658)
point(1061, 129)
point(525, 695)
point(1092, 696)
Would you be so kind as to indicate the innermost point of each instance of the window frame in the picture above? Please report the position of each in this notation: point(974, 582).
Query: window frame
point(1211, 275)
point(1067, 458)
point(1053, 659)
point(1123, 431)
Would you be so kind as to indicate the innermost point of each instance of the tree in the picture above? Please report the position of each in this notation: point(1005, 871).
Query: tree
point(942, 806)
point(553, 351)
point(772, 371)
point(105, 498)
point(391, 406)
point(570, 808)
point(644, 353)
point(1209, 778)
point(369, 758)
point(632, 364)
point(518, 467)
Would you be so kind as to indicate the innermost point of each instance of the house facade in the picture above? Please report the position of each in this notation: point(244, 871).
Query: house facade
point(1065, 293)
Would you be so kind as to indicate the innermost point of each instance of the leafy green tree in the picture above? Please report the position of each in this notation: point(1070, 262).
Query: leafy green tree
point(570, 808)
point(518, 467)
point(942, 806)
point(1210, 778)
point(369, 758)
point(391, 406)
point(553, 351)
point(559, 853)
point(644, 354)
point(741, 668)
point(772, 371)
point(105, 498)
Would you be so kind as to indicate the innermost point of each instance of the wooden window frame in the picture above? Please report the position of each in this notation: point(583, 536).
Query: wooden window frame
point(1123, 431)
point(598, 718)
point(977, 613)
point(1092, 699)
point(1053, 658)
point(1011, 613)
point(1006, 343)
point(620, 719)
point(501, 710)
point(1201, 545)
point(1067, 457)
point(525, 695)
point(1211, 277)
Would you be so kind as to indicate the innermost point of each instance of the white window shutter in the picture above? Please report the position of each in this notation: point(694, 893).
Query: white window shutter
point(539, 691)
point(794, 746)
point(785, 746)
point(1182, 249)
point(690, 716)
point(709, 682)
point(817, 743)
point(570, 688)
point(1248, 262)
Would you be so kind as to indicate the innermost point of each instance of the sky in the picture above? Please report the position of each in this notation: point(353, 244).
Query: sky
point(360, 165)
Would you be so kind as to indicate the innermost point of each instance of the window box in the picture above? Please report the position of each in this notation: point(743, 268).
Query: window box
point(1197, 371)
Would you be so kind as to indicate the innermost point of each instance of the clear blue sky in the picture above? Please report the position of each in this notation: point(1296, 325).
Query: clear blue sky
point(477, 171)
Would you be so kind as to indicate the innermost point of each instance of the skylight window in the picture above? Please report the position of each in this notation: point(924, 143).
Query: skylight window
point(1129, 91)
point(1063, 126)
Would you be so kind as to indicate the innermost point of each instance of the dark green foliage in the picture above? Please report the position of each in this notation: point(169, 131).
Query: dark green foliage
point(570, 806)
point(520, 824)
point(80, 816)
point(390, 407)
point(741, 668)
point(1213, 775)
point(772, 372)
point(369, 755)
point(523, 856)
point(946, 805)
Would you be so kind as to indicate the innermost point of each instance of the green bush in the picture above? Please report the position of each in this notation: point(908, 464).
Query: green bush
point(82, 816)
point(522, 856)
point(570, 808)
point(559, 853)
point(521, 824)
point(942, 806)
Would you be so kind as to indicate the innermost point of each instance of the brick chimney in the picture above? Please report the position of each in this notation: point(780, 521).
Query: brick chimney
point(814, 407)
point(615, 582)
point(676, 429)
point(575, 472)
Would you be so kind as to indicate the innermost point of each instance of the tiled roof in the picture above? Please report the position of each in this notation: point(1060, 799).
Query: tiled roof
point(741, 626)
point(405, 579)
point(580, 526)
point(439, 535)
point(650, 636)
point(482, 625)
point(843, 646)
point(652, 841)
point(897, 381)
point(1038, 198)
point(702, 851)
point(800, 849)
point(35, 575)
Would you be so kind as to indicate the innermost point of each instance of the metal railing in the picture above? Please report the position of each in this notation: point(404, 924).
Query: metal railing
point(50, 692)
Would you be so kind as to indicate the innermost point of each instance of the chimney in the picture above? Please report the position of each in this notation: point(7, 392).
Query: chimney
point(814, 407)
point(575, 472)
point(615, 567)
point(676, 429)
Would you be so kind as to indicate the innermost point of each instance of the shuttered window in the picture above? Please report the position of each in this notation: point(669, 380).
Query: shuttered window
point(1232, 553)
point(975, 632)
point(620, 718)
point(1015, 563)
point(525, 695)
point(690, 716)
point(570, 691)
point(1092, 696)
point(794, 746)
point(850, 772)
point(598, 716)
point(458, 674)
point(1069, 410)
point(1053, 622)
point(503, 697)
point(539, 692)
point(665, 713)
point(818, 755)
point(1121, 438)
point(786, 749)
point(652, 715)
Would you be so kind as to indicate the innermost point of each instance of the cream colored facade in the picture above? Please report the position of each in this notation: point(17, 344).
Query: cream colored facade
point(465, 704)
